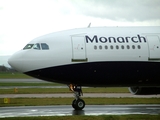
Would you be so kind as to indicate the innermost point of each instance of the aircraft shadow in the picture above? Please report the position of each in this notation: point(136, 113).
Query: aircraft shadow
point(78, 112)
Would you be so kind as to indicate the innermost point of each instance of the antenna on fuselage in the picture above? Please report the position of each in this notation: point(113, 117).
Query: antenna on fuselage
point(89, 25)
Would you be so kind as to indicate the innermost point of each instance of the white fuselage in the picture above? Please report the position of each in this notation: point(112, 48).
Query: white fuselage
point(91, 45)
point(101, 44)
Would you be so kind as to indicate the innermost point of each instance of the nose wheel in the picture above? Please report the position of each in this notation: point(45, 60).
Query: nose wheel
point(78, 103)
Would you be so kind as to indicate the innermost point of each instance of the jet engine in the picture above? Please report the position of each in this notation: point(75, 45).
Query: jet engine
point(144, 90)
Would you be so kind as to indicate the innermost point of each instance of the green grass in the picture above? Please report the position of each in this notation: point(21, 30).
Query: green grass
point(35, 90)
point(68, 101)
point(29, 84)
point(16, 75)
point(101, 117)
point(63, 90)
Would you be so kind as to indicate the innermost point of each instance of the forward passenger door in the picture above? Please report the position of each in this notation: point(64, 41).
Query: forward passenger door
point(154, 46)
point(78, 49)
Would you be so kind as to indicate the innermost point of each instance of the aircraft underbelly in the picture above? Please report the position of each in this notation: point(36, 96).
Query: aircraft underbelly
point(103, 74)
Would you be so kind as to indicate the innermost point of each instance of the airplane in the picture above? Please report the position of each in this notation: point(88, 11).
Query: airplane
point(95, 57)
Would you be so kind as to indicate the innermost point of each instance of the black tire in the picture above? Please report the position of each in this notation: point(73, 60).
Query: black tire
point(74, 103)
point(79, 104)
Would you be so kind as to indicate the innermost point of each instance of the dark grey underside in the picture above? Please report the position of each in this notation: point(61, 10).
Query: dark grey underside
point(103, 74)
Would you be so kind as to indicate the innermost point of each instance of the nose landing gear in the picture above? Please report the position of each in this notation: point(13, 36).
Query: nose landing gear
point(78, 103)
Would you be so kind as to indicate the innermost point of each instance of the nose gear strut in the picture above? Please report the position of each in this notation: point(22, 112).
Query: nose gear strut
point(78, 103)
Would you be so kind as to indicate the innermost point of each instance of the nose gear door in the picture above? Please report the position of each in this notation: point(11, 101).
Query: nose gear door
point(78, 49)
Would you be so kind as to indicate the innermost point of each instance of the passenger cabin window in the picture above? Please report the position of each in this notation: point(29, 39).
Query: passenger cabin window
point(133, 47)
point(139, 47)
point(37, 46)
point(44, 46)
point(28, 46)
point(111, 46)
point(106, 47)
point(95, 47)
point(117, 47)
point(122, 47)
point(100, 47)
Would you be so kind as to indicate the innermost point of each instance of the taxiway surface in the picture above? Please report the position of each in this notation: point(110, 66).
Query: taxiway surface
point(62, 110)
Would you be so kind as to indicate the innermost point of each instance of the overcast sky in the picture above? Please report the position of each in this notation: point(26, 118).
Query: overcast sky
point(23, 20)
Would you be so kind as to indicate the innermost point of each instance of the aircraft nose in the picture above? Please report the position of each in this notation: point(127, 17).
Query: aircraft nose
point(15, 61)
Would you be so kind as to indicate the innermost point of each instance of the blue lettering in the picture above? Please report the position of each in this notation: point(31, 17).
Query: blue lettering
point(141, 37)
point(120, 40)
point(103, 39)
point(112, 38)
point(127, 39)
point(91, 40)
point(133, 39)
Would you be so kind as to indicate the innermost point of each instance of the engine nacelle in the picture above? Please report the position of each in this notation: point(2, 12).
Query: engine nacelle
point(144, 90)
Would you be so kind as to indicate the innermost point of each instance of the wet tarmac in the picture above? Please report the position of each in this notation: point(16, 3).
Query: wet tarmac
point(63, 110)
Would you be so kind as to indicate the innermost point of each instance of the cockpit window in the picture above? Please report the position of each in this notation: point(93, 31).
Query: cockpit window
point(37, 46)
point(28, 46)
point(44, 46)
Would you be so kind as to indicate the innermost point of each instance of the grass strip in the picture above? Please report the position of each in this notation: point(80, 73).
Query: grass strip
point(16, 75)
point(63, 90)
point(101, 117)
point(68, 101)
point(29, 84)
